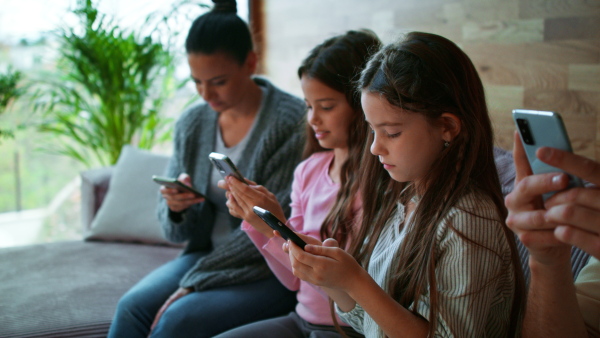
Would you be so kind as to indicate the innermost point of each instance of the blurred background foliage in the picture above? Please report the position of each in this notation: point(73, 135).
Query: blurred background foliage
point(83, 90)
point(109, 88)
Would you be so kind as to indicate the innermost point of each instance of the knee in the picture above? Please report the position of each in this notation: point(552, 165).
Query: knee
point(129, 304)
point(175, 323)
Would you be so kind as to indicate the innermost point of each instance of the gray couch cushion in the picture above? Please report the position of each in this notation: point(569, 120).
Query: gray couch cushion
point(70, 289)
point(128, 211)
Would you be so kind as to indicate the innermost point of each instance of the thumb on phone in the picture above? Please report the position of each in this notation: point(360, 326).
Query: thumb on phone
point(185, 178)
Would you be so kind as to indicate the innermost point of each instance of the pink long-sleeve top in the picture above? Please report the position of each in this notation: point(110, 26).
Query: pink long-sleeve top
point(313, 195)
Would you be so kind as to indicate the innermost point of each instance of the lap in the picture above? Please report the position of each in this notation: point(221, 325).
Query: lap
point(153, 290)
point(287, 326)
point(209, 312)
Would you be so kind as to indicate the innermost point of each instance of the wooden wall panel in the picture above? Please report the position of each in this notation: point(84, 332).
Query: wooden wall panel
point(537, 54)
point(558, 8)
point(581, 28)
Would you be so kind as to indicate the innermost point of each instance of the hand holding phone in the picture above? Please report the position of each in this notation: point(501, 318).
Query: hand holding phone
point(543, 129)
point(173, 183)
point(225, 166)
point(278, 225)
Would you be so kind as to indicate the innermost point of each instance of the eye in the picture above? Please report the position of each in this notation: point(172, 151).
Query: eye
point(394, 135)
point(220, 83)
point(327, 108)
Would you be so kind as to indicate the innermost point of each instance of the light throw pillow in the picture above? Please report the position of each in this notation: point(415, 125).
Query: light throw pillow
point(128, 212)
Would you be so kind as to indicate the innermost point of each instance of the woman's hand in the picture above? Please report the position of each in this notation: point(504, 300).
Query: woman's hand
point(324, 265)
point(241, 198)
point(177, 200)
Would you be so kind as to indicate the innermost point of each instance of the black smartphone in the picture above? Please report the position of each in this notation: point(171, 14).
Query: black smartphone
point(278, 225)
point(543, 129)
point(175, 184)
point(225, 166)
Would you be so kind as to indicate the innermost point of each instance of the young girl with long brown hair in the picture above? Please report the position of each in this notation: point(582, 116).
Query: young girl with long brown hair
point(433, 256)
point(324, 195)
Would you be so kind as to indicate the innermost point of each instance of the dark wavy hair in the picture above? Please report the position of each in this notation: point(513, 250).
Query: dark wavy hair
point(220, 30)
point(428, 74)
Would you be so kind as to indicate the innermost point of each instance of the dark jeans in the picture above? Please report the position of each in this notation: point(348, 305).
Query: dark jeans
point(199, 314)
point(289, 326)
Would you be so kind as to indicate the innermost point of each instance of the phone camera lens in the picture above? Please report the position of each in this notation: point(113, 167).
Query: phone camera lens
point(523, 125)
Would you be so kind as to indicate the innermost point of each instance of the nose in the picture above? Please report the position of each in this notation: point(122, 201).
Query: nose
point(312, 117)
point(205, 91)
point(377, 147)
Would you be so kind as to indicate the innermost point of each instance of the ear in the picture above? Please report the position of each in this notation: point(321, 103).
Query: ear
point(450, 125)
point(251, 62)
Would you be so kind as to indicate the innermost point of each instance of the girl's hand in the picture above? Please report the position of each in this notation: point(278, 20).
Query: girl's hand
point(241, 198)
point(325, 265)
point(178, 201)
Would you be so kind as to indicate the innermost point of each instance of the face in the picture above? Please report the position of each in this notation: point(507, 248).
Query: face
point(329, 113)
point(406, 143)
point(219, 79)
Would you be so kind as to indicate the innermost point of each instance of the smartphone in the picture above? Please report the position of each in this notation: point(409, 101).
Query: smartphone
point(278, 225)
point(543, 129)
point(225, 166)
point(175, 184)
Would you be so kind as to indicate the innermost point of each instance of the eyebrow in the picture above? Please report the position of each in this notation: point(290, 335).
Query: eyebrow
point(321, 100)
point(218, 77)
point(388, 124)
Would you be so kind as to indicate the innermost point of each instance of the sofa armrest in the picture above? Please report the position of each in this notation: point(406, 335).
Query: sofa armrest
point(94, 185)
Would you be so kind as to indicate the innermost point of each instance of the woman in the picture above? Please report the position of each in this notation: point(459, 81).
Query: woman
point(220, 281)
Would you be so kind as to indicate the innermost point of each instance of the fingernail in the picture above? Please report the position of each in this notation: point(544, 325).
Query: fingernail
point(544, 153)
point(556, 179)
point(560, 232)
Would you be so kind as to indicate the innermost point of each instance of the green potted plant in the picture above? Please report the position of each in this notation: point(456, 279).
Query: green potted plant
point(10, 90)
point(109, 90)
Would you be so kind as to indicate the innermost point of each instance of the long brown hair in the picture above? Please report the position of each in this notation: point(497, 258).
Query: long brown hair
point(337, 62)
point(429, 75)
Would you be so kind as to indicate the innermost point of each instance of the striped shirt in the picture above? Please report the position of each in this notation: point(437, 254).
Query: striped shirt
point(475, 285)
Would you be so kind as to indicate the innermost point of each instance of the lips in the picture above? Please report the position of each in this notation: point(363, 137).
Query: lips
point(215, 104)
point(319, 134)
point(385, 165)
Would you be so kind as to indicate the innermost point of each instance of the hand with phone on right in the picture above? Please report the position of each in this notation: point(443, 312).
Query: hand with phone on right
point(571, 217)
point(177, 200)
point(548, 229)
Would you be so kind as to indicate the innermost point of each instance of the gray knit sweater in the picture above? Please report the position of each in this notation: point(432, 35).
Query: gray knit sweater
point(274, 149)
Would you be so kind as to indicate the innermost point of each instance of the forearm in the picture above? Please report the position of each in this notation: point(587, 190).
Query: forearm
point(341, 298)
point(552, 308)
point(392, 318)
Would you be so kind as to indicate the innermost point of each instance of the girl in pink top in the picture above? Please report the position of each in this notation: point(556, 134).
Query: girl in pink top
point(324, 190)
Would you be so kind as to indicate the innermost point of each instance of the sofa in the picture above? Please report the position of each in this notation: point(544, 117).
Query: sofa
point(71, 289)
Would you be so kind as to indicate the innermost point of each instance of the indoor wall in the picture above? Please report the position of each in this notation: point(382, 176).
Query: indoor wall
point(534, 54)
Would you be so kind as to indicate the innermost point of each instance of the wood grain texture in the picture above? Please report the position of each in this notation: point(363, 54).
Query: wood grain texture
point(572, 28)
point(533, 54)
point(558, 8)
